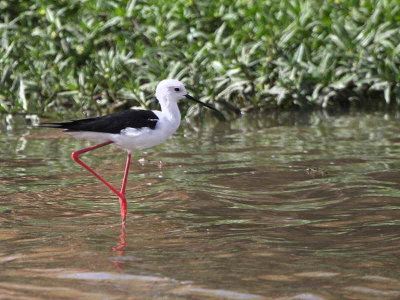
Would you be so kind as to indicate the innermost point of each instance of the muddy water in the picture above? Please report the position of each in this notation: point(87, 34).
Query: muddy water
point(278, 206)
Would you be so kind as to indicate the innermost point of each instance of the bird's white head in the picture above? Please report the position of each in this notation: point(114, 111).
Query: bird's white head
point(170, 90)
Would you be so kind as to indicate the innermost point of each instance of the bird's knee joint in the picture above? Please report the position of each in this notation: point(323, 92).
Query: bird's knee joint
point(75, 156)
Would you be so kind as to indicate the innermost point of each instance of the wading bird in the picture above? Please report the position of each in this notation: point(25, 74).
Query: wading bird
point(133, 129)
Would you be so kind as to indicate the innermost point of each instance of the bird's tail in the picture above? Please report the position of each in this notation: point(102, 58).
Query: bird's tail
point(51, 125)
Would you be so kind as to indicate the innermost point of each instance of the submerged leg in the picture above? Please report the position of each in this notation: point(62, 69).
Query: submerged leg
point(120, 194)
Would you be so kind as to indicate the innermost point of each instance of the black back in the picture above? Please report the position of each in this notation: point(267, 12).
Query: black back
point(113, 123)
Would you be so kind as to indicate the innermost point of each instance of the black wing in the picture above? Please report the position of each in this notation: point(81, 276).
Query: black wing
point(113, 123)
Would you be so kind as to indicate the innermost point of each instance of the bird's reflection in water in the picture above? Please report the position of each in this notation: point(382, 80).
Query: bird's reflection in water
point(120, 248)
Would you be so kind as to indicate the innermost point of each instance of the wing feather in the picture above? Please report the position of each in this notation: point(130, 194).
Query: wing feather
point(113, 123)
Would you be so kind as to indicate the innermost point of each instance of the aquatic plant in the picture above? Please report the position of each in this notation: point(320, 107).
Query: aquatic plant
point(101, 55)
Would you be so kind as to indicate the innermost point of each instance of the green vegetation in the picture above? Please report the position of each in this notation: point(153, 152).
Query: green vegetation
point(59, 55)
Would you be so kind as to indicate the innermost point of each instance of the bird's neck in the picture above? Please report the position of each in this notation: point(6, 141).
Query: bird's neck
point(171, 111)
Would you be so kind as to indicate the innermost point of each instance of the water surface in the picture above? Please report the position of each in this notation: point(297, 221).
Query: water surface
point(278, 206)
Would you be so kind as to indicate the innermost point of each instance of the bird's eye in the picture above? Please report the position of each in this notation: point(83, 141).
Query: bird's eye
point(177, 89)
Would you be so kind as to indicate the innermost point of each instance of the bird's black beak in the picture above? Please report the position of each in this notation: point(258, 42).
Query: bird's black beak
point(202, 103)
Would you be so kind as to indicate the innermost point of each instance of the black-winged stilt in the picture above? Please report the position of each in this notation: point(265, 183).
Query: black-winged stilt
point(133, 129)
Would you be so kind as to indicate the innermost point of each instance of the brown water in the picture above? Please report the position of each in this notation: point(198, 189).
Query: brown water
point(280, 206)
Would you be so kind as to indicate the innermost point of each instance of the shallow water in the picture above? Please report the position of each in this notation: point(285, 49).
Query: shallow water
point(279, 206)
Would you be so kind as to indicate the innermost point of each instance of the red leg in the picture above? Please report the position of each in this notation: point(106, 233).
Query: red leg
point(122, 201)
point(128, 163)
point(120, 194)
point(120, 249)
